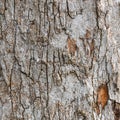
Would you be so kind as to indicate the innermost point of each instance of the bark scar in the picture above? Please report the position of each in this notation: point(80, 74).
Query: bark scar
point(72, 47)
point(102, 95)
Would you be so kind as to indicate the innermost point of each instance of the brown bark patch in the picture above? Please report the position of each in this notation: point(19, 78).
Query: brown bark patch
point(88, 34)
point(72, 47)
point(102, 95)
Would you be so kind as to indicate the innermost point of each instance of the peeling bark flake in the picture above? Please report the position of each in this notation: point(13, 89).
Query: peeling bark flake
point(102, 95)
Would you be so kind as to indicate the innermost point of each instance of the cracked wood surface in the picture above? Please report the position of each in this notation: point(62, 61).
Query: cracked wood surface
point(54, 55)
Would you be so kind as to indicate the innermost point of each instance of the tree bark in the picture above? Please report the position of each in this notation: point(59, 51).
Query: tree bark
point(55, 56)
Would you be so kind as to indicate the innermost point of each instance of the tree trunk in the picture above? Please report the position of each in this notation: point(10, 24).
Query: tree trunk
point(59, 60)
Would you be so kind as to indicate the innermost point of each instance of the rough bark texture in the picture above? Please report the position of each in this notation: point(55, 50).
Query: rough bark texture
point(54, 55)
